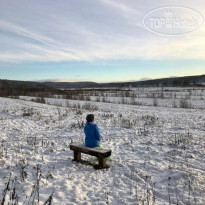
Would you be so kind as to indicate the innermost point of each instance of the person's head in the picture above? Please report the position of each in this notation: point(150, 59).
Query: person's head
point(90, 118)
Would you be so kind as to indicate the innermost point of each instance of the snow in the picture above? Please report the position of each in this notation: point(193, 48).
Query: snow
point(157, 154)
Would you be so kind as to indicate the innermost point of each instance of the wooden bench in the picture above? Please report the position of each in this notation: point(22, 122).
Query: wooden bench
point(101, 154)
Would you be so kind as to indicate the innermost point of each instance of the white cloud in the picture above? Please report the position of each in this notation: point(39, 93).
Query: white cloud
point(8, 26)
point(107, 31)
point(122, 7)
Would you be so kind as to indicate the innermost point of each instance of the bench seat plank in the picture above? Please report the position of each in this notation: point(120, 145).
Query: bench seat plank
point(100, 153)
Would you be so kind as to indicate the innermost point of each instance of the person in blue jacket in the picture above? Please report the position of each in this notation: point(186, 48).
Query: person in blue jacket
point(92, 134)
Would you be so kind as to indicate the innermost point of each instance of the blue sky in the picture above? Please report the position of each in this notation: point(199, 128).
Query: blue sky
point(93, 40)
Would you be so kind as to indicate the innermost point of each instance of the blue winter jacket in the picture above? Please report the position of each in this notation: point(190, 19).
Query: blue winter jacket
point(92, 135)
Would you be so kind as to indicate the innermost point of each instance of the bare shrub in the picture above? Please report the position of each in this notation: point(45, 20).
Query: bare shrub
point(87, 98)
point(149, 120)
point(9, 193)
point(76, 106)
point(104, 99)
point(39, 100)
point(67, 103)
point(49, 200)
point(155, 102)
point(79, 124)
point(184, 104)
point(138, 103)
point(28, 113)
point(81, 97)
point(98, 99)
point(174, 104)
point(123, 100)
point(89, 106)
point(128, 123)
point(79, 112)
point(107, 115)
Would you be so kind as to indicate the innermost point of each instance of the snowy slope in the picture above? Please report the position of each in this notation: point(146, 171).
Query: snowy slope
point(158, 154)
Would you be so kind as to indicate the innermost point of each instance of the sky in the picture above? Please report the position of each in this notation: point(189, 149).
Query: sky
point(95, 40)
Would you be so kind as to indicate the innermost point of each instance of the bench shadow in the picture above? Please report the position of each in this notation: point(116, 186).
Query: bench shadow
point(88, 163)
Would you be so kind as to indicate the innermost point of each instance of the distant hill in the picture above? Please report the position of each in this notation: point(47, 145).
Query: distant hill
point(70, 84)
point(173, 81)
point(45, 85)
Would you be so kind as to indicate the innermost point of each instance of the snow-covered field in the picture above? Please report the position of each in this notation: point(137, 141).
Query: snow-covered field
point(157, 157)
point(172, 97)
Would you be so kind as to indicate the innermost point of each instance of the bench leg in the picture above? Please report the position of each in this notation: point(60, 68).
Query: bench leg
point(77, 156)
point(102, 162)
